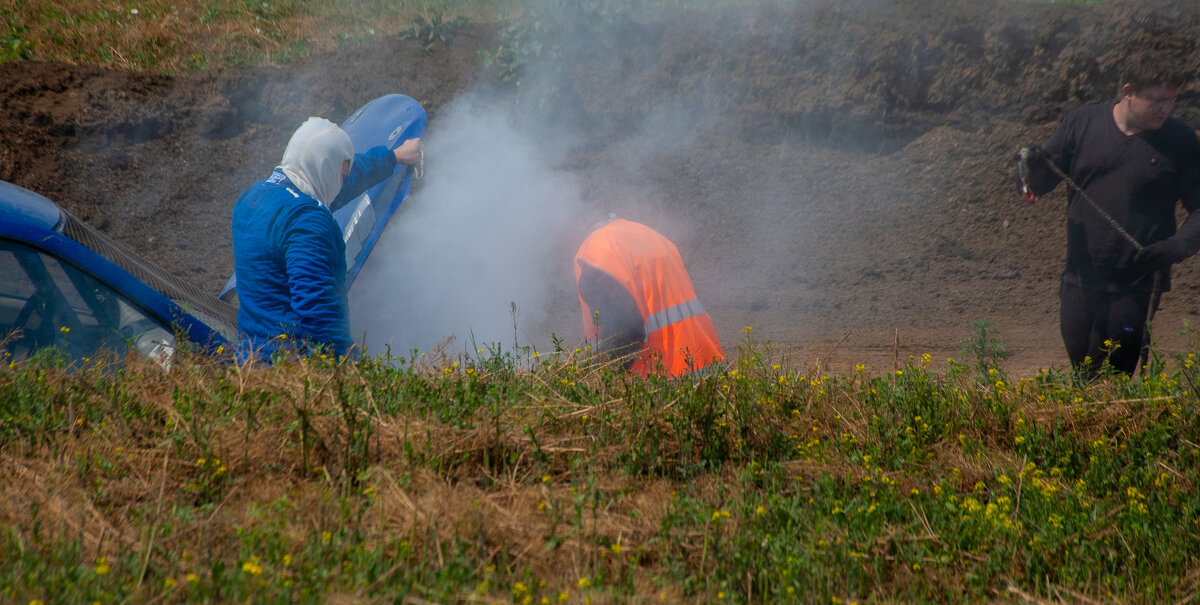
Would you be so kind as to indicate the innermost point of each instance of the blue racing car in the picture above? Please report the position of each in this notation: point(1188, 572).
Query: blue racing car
point(64, 284)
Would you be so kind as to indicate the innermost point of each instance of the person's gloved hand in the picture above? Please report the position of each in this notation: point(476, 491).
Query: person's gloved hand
point(1027, 158)
point(1159, 255)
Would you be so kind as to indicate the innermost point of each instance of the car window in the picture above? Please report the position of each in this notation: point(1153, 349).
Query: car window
point(46, 302)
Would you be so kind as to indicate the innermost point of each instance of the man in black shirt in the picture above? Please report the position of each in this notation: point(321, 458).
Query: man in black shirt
point(1135, 162)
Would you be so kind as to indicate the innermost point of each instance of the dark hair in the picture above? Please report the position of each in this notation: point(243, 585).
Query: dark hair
point(1147, 68)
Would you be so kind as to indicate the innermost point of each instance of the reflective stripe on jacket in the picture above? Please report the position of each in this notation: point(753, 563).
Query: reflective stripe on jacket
point(679, 334)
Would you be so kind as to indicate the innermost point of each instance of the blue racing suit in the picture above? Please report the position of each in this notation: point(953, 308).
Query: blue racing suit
point(290, 261)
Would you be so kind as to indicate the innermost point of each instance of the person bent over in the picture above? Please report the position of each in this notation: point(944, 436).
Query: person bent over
point(638, 303)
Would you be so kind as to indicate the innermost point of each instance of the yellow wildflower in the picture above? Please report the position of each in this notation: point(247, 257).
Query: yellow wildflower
point(252, 567)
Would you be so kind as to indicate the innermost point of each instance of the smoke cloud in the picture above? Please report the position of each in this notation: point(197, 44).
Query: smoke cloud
point(484, 231)
point(726, 162)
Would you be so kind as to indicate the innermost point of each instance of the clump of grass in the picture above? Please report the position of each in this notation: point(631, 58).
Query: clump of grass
point(550, 33)
point(555, 476)
point(434, 29)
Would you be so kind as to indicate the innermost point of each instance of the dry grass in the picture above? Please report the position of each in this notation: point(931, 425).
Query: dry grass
point(173, 36)
point(536, 482)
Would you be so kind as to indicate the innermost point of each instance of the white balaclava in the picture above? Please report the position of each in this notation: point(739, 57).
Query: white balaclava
point(313, 158)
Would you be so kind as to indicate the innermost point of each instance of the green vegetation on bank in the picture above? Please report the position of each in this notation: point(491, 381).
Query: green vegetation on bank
point(174, 37)
point(554, 478)
point(171, 36)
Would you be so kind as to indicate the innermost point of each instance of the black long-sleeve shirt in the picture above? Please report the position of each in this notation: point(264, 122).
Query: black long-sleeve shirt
point(1137, 179)
point(622, 327)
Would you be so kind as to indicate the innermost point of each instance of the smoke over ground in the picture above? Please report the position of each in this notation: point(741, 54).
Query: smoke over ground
point(827, 168)
point(483, 231)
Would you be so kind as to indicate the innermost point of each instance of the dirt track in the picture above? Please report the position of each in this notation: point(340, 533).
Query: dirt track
point(837, 171)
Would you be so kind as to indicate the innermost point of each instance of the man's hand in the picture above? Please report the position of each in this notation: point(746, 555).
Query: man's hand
point(1159, 255)
point(1028, 158)
point(410, 152)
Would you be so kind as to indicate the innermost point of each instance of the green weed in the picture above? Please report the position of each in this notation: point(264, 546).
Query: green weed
point(14, 40)
point(437, 28)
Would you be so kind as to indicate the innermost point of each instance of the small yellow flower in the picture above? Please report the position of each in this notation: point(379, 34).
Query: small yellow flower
point(326, 536)
point(563, 596)
point(287, 560)
point(616, 548)
point(584, 583)
point(252, 567)
point(101, 566)
point(169, 583)
point(760, 510)
point(193, 579)
point(64, 330)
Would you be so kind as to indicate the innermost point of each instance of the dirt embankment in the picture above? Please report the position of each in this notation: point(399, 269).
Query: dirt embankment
point(834, 172)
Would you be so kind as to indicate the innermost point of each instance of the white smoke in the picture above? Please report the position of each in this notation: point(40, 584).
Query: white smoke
point(483, 231)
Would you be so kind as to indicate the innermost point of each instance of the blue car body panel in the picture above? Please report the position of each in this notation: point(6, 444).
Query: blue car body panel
point(389, 121)
point(33, 220)
point(22, 207)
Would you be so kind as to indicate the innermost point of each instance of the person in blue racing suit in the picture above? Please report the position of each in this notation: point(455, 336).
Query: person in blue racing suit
point(288, 253)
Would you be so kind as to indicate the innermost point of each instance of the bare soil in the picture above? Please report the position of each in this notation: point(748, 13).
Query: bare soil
point(842, 166)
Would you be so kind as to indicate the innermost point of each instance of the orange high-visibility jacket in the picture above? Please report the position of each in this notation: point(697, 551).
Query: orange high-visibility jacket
point(679, 333)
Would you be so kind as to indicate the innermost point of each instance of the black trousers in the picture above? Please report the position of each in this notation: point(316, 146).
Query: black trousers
point(1089, 318)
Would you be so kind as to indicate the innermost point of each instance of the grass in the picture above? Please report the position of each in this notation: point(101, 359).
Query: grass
point(173, 37)
point(555, 478)
point(176, 37)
